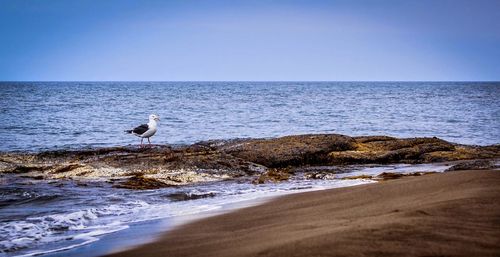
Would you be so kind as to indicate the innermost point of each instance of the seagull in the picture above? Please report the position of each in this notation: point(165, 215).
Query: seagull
point(146, 130)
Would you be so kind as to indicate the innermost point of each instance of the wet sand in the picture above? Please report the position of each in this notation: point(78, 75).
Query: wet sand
point(450, 214)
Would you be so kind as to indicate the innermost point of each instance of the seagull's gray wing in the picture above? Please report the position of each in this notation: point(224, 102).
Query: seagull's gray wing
point(141, 129)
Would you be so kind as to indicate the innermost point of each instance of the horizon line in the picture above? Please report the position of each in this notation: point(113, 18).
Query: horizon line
point(93, 81)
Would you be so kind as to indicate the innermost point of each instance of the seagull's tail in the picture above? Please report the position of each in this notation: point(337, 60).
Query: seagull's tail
point(128, 131)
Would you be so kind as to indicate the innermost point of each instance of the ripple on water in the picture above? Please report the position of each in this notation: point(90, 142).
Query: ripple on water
point(69, 112)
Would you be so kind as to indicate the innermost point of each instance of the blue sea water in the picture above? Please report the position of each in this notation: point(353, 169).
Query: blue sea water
point(56, 115)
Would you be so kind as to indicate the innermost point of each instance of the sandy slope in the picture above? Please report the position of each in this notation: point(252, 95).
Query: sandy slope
point(450, 214)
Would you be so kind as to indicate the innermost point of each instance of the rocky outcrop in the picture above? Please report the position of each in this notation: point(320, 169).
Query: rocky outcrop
point(259, 160)
point(385, 150)
point(290, 150)
point(332, 149)
point(389, 176)
point(170, 166)
point(273, 175)
point(141, 182)
point(475, 165)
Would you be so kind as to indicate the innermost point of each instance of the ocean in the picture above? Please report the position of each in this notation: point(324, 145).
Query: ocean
point(39, 116)
point(90, 217)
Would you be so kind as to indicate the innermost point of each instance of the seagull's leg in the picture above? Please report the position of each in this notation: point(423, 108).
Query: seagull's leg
point(149, 142)
point(141, 142)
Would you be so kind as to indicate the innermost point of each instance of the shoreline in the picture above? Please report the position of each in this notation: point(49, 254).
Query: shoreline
point(148, 231)
point(144, 232)
point(453, 213)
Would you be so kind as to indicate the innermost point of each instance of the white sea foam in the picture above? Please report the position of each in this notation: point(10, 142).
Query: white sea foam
point(83, 224)
point(36, 253)
point(397, 168)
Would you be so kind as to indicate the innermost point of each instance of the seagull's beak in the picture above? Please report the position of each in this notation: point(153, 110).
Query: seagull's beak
point(157, 119)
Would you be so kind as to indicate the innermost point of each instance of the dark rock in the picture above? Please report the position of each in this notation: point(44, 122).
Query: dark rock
point(67, 168)
point(474, 165)
point(139, 182)
point(37, 177)
point(273, 175)
point(385, 150)
point(463, 152)
point(290, 150)
point(25, 169)
point(183, 196)
point(317, 175)
point(359, 177)
point(390, 175)
point(368, 139)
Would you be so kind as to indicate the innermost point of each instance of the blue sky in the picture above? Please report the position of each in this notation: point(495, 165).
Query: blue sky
point(249, 40)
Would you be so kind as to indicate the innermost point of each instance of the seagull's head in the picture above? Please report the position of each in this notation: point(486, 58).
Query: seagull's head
point(154, 117)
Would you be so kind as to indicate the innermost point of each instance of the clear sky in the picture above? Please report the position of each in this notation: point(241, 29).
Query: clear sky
point(249, 40)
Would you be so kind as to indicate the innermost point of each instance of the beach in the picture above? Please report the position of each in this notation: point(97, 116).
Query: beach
point(448, 214)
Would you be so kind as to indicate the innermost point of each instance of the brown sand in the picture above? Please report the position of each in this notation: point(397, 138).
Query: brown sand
point(450, 214)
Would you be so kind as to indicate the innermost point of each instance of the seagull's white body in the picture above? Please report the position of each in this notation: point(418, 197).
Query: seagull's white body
point(152, 127)
point(146, 130)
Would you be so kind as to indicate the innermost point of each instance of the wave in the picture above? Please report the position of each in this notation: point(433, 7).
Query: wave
point(81, 225)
